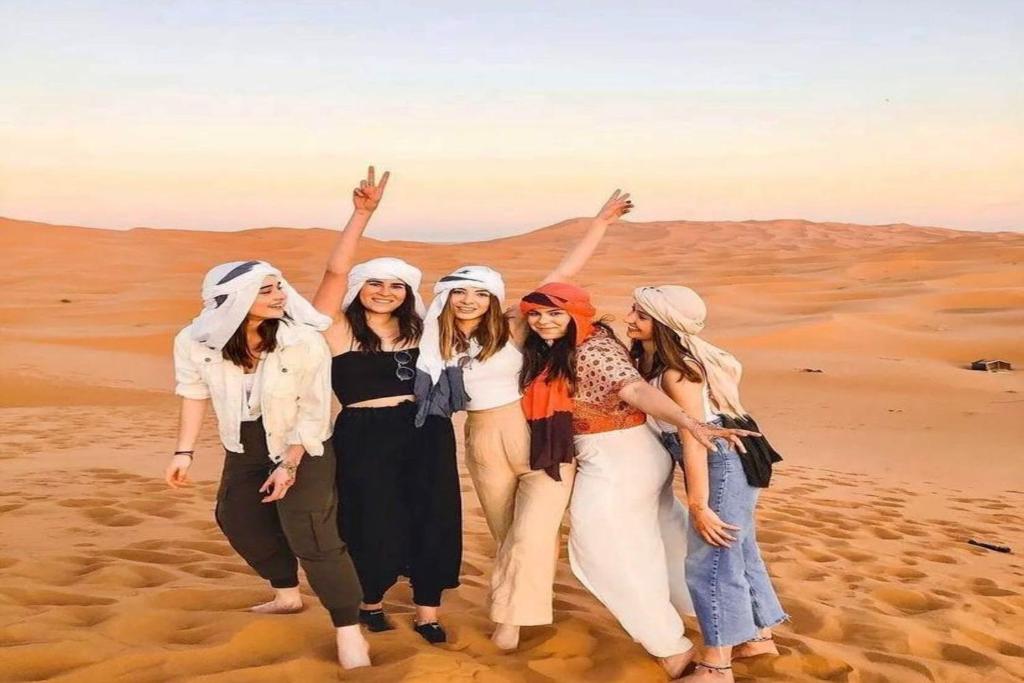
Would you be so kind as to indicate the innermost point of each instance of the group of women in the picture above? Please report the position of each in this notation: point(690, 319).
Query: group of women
point(560, 415)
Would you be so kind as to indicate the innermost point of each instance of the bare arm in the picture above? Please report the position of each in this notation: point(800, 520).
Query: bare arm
point(643, 396)
point(572, 263)
point(334, 284)
point(190, 422)
point(690, 397)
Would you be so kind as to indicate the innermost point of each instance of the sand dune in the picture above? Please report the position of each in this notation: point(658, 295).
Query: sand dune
point(896, 455)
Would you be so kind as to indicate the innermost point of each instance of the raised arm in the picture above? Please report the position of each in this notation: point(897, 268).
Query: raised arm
point(572, 263)
point(365, 200)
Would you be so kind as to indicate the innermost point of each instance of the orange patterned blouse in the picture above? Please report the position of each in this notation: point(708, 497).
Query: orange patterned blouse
point(603, 367)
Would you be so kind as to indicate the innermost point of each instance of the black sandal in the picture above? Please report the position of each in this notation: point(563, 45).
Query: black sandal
point(375, 620)
point(432, 633)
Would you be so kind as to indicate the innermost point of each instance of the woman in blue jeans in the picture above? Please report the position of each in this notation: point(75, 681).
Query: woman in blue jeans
point(732, 593)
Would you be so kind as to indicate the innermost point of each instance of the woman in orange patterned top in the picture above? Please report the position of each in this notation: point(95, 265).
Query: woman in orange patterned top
point(583, 396)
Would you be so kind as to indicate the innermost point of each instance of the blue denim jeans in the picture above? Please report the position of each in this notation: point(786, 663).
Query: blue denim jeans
point(731, 590)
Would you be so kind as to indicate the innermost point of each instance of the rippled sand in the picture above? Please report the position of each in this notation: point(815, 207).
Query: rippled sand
point(895, 456)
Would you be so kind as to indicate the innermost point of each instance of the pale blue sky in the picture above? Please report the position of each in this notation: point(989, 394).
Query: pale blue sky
point(223, 115)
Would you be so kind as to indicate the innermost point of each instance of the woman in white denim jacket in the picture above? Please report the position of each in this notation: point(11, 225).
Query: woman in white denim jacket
point(257, 353)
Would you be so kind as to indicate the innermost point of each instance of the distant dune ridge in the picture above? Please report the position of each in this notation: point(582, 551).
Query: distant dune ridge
point(896, 454)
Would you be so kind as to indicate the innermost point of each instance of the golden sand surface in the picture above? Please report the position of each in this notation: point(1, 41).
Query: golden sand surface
point(896, 454)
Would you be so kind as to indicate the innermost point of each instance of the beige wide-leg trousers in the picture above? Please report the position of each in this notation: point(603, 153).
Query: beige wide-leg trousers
point(524, 510)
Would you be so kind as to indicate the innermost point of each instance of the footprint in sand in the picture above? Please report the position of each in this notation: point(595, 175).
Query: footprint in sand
point(178, 628)
point(130, 576)
point(203, 600)
point(987, 640)
point(204, 572)
point(817, 555)
point(46, 598)
point(43, 661)
point(155, 508)
point(153, 556)
point(854, 555)
point(909, 601)
point(86, 502)
point(905, 574)
point(886, 533)
point(965, 655)
point(988, 588)
point(905, 662)
point(220, 549)
point(112, 517)
point(77, 616)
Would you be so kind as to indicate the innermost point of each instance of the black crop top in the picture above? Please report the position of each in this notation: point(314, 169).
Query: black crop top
point(358, 376)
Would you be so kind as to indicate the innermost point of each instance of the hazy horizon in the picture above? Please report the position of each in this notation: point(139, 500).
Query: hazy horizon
point(441, 238)
point(498, 120)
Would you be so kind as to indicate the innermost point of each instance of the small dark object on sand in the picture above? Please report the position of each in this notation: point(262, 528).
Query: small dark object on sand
point(810, 370)
point(989, 546)
point(993, 365)
point(65, 301)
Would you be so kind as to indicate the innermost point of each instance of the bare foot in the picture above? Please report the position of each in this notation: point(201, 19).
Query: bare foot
point(506, 636)
point(762, 645)
point(676, 664)
point(286, 601)
point(353, 650)
point(425, 615)
point(706, 673)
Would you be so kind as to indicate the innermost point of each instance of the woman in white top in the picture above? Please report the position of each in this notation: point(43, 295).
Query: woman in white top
point(467, 327)
point(257, 353)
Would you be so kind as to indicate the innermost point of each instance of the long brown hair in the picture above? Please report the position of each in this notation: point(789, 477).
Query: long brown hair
point(491, 333)
point(669, 354)
point(559, 359)
point(237, 348)
point(410, 325)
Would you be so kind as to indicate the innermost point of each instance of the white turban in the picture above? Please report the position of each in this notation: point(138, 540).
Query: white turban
point(229, 291)
point(430, 359)
point(684, 312)
point(385, 268)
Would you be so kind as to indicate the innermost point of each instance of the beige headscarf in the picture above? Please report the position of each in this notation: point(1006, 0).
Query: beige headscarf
point(684, 312)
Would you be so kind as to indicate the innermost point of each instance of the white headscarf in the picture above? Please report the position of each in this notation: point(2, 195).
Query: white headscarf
point(430, 360)
point(385, 268)
point(684, 312)
point(229, 291)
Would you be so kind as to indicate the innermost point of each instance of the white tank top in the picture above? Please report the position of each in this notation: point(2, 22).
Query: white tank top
point(251, 395)
point(495, 381)
point(658, 425)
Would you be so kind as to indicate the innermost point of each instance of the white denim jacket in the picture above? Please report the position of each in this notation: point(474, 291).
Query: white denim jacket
point(295, 389)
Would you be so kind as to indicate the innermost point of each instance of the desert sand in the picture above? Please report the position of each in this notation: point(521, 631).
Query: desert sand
point(896, 454)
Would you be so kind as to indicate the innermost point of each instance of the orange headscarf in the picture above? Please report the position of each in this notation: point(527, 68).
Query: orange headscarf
point(548, 403)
